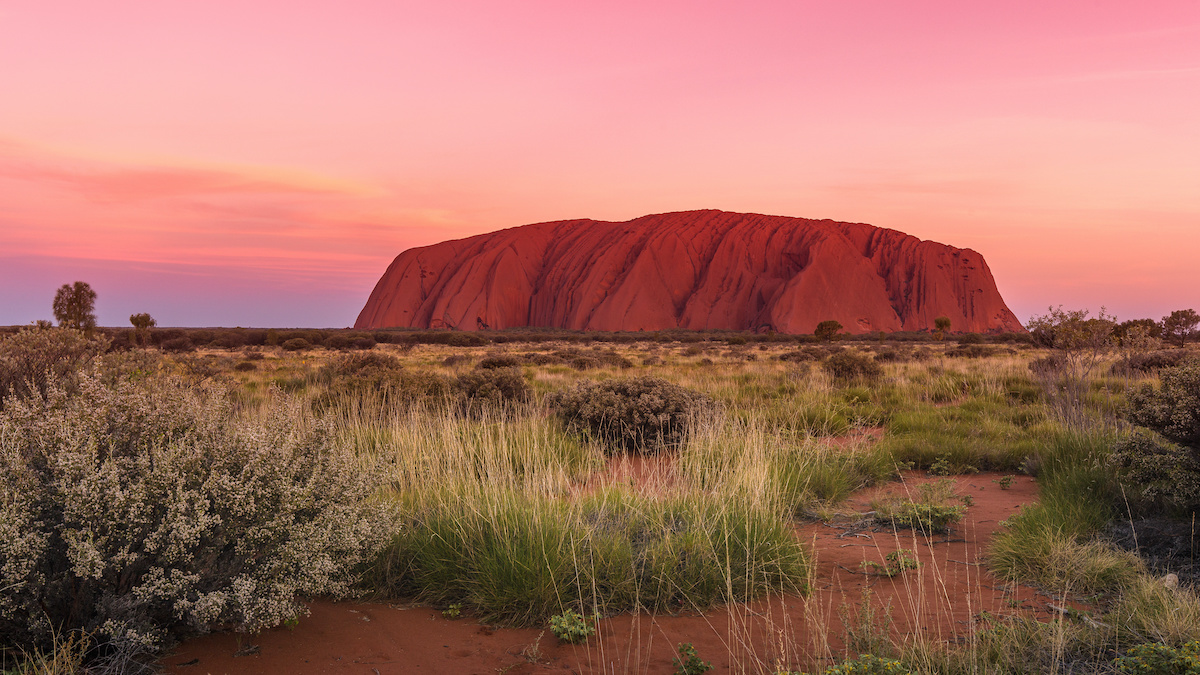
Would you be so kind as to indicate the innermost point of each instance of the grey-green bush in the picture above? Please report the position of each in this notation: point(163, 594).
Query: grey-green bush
point(380, 377)
point(1173, 410)
point(495, 387)
point(36, 357)
point(1157, 475)
point(642, 414)
point(142, 510)
point(849, 365)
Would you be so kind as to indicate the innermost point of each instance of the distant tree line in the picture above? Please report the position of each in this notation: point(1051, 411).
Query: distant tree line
point(74, 307)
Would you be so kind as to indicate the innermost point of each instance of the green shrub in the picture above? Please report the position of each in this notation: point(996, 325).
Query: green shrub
point(972, 351)
point(927, 513)
point(688, 662)
point(894, 564)
point(491, 388)
point(641, 414)
point(1149, 362)
point(380, 378)
point(1161, 659)
point(571, 627)
point(295, 344)
point(869, 664)
point(850, 365)
point(141, 510)
point(1173, 410)
point(1157, 475)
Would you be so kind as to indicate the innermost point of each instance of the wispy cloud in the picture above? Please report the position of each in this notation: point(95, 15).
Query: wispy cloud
point(108, 181)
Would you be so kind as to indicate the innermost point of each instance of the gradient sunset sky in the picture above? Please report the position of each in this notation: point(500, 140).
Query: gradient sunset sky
point(260, 163)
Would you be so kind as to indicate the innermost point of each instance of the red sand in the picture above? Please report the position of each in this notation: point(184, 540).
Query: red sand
point(942, 600)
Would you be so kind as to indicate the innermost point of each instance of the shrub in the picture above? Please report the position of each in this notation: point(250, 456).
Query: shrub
point(1161, 659)
point(571, 627)
point(1048, 366)
point(36, 357)
point(295, 344)
point(869, 664)
point(688, 662)
point(851, 365)
point(491, 388)
point(380, 377)
point(970, 339)
point(179, 344)
point(1174, 409)
point(893, 355)
point(138, 512)
point(1157, 475)
point(1149, 362)
point(928, 513)
point(972, 351)
point(641, 414)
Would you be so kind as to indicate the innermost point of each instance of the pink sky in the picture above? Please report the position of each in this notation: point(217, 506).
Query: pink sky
point(260, 163)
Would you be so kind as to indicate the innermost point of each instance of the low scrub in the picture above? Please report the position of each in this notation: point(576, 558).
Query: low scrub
point(643, 414)
point(140, 510)
point(929, 511)
point(849, 365)
point(1149, 362)
point(1173, 409)
point(379, 377)
point(1157, 476)
point(36, 358)
point(490, 388)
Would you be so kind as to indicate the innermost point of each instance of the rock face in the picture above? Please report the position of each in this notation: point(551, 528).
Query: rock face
point(694, 270)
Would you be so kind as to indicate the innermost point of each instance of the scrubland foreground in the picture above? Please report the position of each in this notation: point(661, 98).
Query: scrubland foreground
point(642, 507)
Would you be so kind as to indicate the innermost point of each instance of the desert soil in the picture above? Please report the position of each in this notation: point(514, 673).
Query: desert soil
point(942, 600)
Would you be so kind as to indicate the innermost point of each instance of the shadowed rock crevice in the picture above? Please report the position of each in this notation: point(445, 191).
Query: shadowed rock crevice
point(693, 270)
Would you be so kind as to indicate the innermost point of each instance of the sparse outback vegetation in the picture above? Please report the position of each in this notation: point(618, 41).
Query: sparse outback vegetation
point(477, 472)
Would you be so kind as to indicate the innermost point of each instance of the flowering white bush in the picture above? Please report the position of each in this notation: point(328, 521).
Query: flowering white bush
point(35, 356)
point(144, 510)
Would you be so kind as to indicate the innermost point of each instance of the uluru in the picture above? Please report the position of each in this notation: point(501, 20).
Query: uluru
point(692, 270)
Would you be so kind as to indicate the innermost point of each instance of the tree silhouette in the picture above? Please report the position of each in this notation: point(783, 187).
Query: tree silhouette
point(826, 330)
point(142, 323)
point(1180, 325)
point(942, 324)
point(74, 306)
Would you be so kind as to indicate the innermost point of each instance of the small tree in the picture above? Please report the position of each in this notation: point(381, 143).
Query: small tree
point(942, 325)
point(1180, 325)
point(1080, 340)
point(826, 330)
point(1078, 343)
point(1140, 328)
point(74, 306)
point(142, 323)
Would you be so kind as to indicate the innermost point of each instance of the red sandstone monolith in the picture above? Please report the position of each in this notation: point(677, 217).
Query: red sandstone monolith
point(693, 270)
